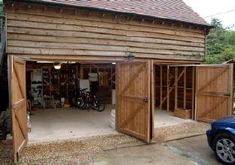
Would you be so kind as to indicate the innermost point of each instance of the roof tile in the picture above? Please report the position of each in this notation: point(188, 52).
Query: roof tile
point(165, 9)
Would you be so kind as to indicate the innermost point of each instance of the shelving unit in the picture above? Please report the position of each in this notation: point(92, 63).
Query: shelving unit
point(37, 87)
point(64, 83)
point(174, 87)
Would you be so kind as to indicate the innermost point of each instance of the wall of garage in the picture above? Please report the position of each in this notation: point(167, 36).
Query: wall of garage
point(43, 30)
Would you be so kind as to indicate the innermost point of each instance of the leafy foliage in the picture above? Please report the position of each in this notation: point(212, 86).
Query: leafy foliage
point(1, 8)
point(220, 44)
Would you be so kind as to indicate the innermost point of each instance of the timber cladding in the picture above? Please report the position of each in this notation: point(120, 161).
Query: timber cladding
point(41, 30)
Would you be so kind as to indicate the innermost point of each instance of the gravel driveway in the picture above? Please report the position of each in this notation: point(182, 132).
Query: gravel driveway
point(6, 152)
point(76, 151)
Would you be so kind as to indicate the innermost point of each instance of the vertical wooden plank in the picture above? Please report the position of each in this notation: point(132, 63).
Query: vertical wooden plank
point(149, 93)
point(193, 93)
point(81, 73)
point(117, 105)
point(176, 87)
point(168, 88)
point(196, 92)
point(76, 81)
point(160, 87)
point(152, 98)
point(10, 83)
point(185, 86)
point(50, 85)
point(230, 86)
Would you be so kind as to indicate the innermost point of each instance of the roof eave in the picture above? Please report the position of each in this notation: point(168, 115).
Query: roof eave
point(206, 26)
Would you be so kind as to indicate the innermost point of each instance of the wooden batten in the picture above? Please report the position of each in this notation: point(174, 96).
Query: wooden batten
point(161, 87)
point(185, 86)
point(81, 73)
point(193, 93)
point(152, 78)
point(168, 88)
point(176, 88)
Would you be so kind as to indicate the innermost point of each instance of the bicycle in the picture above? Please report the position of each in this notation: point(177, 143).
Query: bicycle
point(88, 100)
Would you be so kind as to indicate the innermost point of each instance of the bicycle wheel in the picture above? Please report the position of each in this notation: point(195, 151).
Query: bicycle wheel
point(80, 103)
point(100, 106)
point(96, 105)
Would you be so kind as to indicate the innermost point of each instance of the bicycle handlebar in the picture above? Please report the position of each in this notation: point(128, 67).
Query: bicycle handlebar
point(84, 89)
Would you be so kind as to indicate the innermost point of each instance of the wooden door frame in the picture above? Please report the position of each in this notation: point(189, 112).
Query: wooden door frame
point(154, 63)
point(171, 63)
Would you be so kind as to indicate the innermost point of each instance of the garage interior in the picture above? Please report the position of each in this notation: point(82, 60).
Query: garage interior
point(52, 92)
point(52, 89)
point(174, 94)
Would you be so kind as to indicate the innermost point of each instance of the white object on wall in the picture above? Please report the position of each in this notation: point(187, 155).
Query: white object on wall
point(113, 97)
point(37, 87)
point(84, 83)
point(113, 119)
point(36, 75)
point(93, 77)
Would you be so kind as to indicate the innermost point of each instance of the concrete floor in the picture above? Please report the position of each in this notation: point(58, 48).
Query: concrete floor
point(195, 148)
point(164, 119)
point(62, 124)
point(168, 127)
point(156, 154)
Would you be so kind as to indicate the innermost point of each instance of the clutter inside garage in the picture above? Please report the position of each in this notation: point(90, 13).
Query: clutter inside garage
point(72, 99)
point(57, 85)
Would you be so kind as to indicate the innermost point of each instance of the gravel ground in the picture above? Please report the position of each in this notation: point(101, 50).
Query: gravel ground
point(180, 131)
point(5, 152)
point(83, 151)
point(76, 151)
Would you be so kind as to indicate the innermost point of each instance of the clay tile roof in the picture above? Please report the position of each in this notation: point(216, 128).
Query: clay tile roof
point(175, 10)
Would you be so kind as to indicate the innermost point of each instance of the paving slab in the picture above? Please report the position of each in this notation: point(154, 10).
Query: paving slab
point(195, 148)
point(156, 154)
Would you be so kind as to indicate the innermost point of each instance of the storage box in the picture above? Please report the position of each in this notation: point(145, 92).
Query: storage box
point(183, 113)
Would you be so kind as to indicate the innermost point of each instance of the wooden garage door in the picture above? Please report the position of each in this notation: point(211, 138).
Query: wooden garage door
point(17, 94)
point(213, 92)
point(133, 99)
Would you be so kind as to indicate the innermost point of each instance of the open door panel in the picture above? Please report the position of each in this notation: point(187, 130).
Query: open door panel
point(17, 93)
point(133, 105)
point(213, 95)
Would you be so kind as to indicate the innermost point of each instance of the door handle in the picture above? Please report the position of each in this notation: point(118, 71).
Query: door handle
point(145, 99)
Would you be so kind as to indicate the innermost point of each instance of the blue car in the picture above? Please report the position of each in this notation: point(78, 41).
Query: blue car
point(221, 139)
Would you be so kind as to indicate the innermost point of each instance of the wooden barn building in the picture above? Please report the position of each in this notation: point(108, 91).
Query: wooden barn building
point(143, 56)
